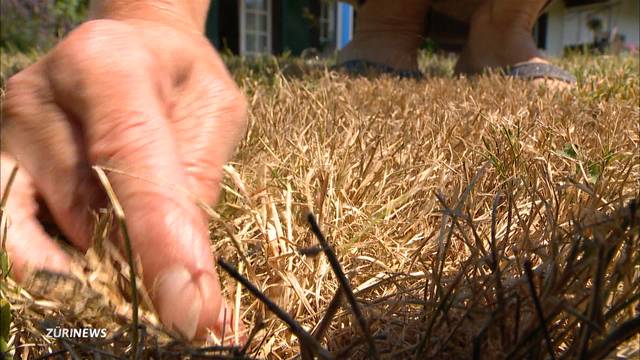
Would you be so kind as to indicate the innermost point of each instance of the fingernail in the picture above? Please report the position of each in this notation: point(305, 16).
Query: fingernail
point(212, 301)
point(178, 300)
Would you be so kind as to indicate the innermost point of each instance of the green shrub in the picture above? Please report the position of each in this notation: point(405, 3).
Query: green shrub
point(37, 24)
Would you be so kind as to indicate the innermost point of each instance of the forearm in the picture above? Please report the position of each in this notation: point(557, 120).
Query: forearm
point(190, 14)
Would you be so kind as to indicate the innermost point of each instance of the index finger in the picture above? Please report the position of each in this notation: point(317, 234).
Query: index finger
point(125, 127)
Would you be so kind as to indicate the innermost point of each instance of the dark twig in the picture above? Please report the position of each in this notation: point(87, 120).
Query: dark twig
point(441, 308)
point(305, 338)
point(536, 302)
point(329, 313)
point(216, 348)
point(310, 251)
point(266, 336)
point(509, 214)
point(474, 232)
point(495, 267)
point(516, 327)
point(93, 348)
point(344, 284)
point(478, 340)
point(52, 354)
point(524, 344)
point(70, 349)
point(224, 326)
point(622, 333)
point(143, 336)
point(443, 243)
point(595, 306)
point(455, 328)
point(346, 351)
point(256, 329)
point(156, 348)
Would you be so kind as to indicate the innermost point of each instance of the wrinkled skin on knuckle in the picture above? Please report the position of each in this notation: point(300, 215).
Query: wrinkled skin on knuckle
point(208, 118)
point(28, 120)
point(98, 55)
point(21, 94)
point(230, 109)
point(217, 119)
point(13, 108)
point(212, 143)
point(222, 92)
point(124, 137)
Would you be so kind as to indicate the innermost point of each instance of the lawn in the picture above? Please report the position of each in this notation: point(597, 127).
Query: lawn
point(472, 217)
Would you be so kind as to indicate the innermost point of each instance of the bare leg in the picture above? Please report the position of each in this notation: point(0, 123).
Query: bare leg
point(500, 35)
point(389, 33)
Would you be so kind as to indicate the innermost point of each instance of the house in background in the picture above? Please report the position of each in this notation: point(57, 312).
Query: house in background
point(565, 26)
point(258, 27)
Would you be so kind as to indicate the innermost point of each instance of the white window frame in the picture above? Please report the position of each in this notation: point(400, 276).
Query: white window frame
point(243, 29)
point(581, 14)
point(328, 15)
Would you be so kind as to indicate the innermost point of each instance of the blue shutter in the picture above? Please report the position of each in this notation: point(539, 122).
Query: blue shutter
point(344, 31)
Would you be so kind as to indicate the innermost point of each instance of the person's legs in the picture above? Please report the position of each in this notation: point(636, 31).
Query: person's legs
point(388, 33)
point(500, 35)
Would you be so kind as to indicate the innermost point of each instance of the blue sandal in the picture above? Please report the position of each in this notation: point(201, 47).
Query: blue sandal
point(537, 70)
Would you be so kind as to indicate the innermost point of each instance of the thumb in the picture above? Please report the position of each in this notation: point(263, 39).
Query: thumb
point(24, 232)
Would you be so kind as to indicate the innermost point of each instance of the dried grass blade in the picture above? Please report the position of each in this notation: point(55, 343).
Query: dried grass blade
point(119, 212)
point(495, 266)
point(5, 193)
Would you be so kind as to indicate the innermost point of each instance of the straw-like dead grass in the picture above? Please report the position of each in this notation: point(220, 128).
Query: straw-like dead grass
point(473, 218)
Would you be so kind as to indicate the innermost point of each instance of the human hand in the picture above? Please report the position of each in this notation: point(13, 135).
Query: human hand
point(155, 103)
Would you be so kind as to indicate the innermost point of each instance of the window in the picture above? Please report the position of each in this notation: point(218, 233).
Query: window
point(327, 23)
point(255, 27)
point(540, 31)
point(577, 29)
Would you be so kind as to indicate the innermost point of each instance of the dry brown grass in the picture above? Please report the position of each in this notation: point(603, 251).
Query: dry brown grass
point(436, 196)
